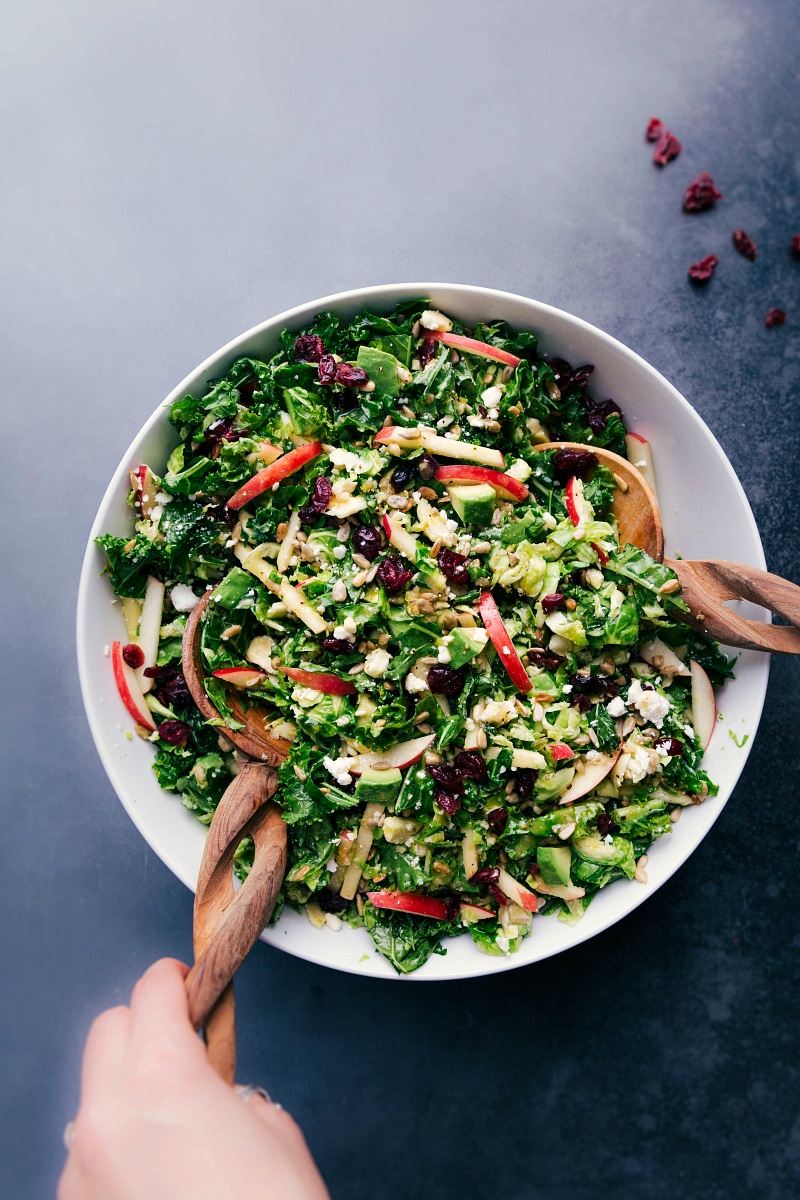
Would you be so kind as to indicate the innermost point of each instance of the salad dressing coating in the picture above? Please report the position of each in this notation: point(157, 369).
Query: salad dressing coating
point(489, 700)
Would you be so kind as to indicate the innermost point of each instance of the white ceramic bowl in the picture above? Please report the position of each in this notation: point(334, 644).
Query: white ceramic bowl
point(705, 514)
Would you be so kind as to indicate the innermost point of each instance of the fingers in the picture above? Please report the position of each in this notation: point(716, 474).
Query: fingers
point(160, 1014)
point(105, 1049)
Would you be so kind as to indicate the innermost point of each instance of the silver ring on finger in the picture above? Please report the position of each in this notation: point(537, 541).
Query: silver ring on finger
point(246, 1091)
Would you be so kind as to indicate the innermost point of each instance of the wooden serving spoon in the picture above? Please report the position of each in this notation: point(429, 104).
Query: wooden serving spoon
point(228, 921)
point(706, 583)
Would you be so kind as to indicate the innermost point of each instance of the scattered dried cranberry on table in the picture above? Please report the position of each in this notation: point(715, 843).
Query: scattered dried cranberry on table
point(701, 194)
point(654, 130)
point(667, 149)
point(745, 244)
point(700, 272)
point(775, 316)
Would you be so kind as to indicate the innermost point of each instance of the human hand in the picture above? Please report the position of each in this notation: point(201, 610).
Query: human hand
point(157, 1123)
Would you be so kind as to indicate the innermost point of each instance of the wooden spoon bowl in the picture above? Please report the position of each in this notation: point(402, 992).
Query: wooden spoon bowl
point(706, 584)
point(228, 921)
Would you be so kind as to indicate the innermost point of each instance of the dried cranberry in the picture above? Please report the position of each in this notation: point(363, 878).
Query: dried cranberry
point(402, 475)
point(246, 391)
point(444, 681)
point(668, 148)
point(326, 368)
point(447, 777)
point(562, 371)
point(525, 782)
point(796, 243)
point(393, 575)
point(599, 686)
point(427, 466)
point(336, 645)
point(170, 686)
point(453, 566)
point(702, 193)
point(745, 244)
point(367, 541)
point(318, 501)
point(330, 901)
point(654, 130)
point(470, 764)
point(174, 733)
point(448, 803)
point(567, 463)
point(221, 431)
point(606, 825)
point(700, 272)
point(553, 601)
point(485, 875)
point(427, 350)
point(670, 745)
point(494, 890)
point(598, 412)
point(133, 655)
point(582, 702)
point(351, 376)
point(497, 819)
point(308, 348)
point(548, 660)
point(580, 376)
point(775, 316)
point(221, 512)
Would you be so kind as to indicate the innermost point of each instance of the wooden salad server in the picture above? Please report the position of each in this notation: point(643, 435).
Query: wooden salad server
point(228, 921)
point(705, 583)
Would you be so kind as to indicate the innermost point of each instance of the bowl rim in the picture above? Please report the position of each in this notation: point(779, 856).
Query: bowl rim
point(391, 294)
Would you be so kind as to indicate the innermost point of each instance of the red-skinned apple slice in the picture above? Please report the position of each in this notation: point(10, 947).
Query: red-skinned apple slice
point(401, 755)
point(240, 677)
point(420, 438)
point(268, 453)
point(470, 913)
point(517, 892)
point(410, 902)
point(144, 486)
point(577, 505)
point(282, 467)
point(559, 751)
point(594, 775)
point(332, 685)
point(472, 346)
point(400, 538)
point(129, 690)
point(495, 627)
point(150, 629)
point(506, 486)
point(704, 705)
point(561, 890)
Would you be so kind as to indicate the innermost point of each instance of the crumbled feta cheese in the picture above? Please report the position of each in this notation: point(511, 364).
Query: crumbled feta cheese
point(491, 397)
point(616, 707)
point(347, 460)
point(650, 704)
point(567, 688)
point(331, 865)
point(641, 762)
point(433, 319)
point(415, 684)
point(593, 756)
point(337, 768)
point(183, 598)
point(444, 654)
point(163, 498)
point(339, 552)
point(376, 662)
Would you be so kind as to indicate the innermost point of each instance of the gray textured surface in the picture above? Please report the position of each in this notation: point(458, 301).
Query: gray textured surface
point(174, 173)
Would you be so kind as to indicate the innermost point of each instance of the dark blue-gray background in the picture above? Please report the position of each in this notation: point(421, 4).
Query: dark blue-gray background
point(173, 173)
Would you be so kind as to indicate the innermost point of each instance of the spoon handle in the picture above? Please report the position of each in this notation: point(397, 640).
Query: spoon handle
point(707, 583)
point(228, 921)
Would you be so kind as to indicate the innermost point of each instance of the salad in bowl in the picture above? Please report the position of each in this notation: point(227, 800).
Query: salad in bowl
point(491, 707)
